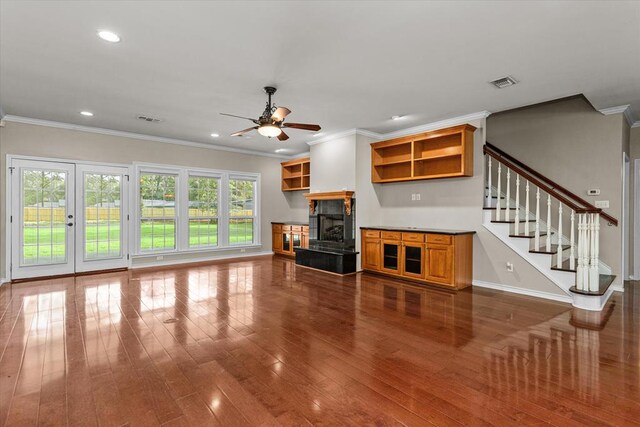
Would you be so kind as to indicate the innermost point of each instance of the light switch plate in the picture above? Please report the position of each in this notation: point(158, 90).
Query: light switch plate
point(602, 204)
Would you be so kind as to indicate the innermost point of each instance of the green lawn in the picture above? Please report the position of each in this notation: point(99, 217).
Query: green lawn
point(38, 240)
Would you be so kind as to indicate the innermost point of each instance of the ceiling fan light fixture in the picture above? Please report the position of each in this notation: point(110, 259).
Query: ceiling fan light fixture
point(269, 131)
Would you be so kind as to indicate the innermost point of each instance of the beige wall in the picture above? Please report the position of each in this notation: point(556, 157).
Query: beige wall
point(333, 165)
point(575, 146)
point(448, 203)
point(634, 154)
point(41, 141)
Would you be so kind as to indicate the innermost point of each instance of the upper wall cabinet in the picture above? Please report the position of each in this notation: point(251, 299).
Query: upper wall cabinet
point(296, 174)
point(444, 153)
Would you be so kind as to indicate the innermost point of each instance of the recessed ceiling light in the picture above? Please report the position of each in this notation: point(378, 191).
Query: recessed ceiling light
point(86, 113)
point(397, 117)
point(215, 135)
point(281, 150)
point(109, 36)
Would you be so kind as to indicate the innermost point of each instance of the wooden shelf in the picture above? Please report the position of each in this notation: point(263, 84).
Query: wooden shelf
point(445, 153)
point(296, 174)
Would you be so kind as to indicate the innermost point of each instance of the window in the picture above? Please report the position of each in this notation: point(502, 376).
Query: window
point(203, 211)
point(241, 211)
point(187, 209)
point(157, 212)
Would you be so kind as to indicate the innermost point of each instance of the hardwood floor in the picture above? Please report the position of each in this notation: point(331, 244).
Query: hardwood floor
point(261, 342)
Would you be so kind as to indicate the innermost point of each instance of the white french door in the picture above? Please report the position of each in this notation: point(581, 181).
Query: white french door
point(67, 218)
point(102, 207)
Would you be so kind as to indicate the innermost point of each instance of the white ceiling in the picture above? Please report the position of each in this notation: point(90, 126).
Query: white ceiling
point(340, 64)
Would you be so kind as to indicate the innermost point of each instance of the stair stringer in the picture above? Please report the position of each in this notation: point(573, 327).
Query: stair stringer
point(542, 262)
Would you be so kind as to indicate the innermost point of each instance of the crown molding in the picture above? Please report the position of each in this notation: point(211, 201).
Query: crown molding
point(453, 121)
point(141, 136)
point(626, 110)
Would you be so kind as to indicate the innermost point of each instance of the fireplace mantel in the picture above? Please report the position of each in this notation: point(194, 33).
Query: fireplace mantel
point(330, 195)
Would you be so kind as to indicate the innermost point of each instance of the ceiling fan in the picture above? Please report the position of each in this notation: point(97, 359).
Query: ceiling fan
point(271, 122)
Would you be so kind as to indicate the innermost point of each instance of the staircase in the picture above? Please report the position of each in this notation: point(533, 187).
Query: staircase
point(513, 197)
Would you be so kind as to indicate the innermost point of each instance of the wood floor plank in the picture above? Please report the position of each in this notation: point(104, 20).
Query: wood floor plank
point(262, 342)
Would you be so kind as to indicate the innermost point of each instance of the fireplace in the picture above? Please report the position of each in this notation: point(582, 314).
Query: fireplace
point(332, 240)
point(331, 227)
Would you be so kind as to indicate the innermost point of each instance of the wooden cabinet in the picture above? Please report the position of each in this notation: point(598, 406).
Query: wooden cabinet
point(287, 237)
point(444, 153)
point(439, 264)
point(296, 174)
point(371, 254)
point(427, 257)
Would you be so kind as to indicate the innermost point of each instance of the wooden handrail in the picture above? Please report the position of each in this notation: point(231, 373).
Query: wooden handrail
point(565, 196)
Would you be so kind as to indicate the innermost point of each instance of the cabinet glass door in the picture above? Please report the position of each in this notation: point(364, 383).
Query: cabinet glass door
point(296, 238)
point(286, 242)
point(390, 253)
point(413, 260)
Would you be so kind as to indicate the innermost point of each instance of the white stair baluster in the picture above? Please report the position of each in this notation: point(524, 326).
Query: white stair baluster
point(572, 254)
point(498, 195)
point(489, 182)
point(559, 263)
point(536, 240)
point(594, 276)
point(517, 218)
point(526, 210)
point(507, 212)
point(580, 285)
point(548, 248)
point(586, 242)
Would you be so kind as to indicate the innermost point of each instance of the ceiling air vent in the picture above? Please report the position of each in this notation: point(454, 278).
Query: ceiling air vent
point(148, 119)
point(503, 82)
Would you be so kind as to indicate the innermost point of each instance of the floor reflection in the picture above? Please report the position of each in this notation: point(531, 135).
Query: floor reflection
point(266, 342)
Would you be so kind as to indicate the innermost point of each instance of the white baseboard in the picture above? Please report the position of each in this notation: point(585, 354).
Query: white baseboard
point(167, 262)
point(522, 291)
point(618, 288)
point(4, 280)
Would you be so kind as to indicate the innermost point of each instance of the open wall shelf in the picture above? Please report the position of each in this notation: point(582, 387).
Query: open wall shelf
point(296, 174)
point(444, 153)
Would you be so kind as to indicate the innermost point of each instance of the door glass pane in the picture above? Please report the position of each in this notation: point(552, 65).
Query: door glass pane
point(44, 229)
point(102, 211)
point(390, 252)
point(296, 240)
point(413, 260)
point(286, 242)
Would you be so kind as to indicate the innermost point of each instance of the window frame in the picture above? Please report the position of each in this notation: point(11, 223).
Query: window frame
point(254, 217)
point(182, 207)
point(203, 174)
point(138, 212)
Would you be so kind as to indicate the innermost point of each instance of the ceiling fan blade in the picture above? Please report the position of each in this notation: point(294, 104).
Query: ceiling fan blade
point(283, 136)
point(302, 126)
point(242, 132)
point(280, 114)
point(240, 117)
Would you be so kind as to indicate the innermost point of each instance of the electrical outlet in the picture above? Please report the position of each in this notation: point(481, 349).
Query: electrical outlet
point(510, 267)
point(243, 250)
point(602, 204)
point(159, 258)
point(593, 192)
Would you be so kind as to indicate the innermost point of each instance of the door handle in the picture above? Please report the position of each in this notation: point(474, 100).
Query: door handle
point(70, 224)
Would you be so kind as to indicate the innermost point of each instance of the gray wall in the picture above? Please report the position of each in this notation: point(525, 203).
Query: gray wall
point(575, 146)
point(42, 141)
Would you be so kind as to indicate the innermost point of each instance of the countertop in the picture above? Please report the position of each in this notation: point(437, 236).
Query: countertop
point(290, 222)
point(419, 230)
